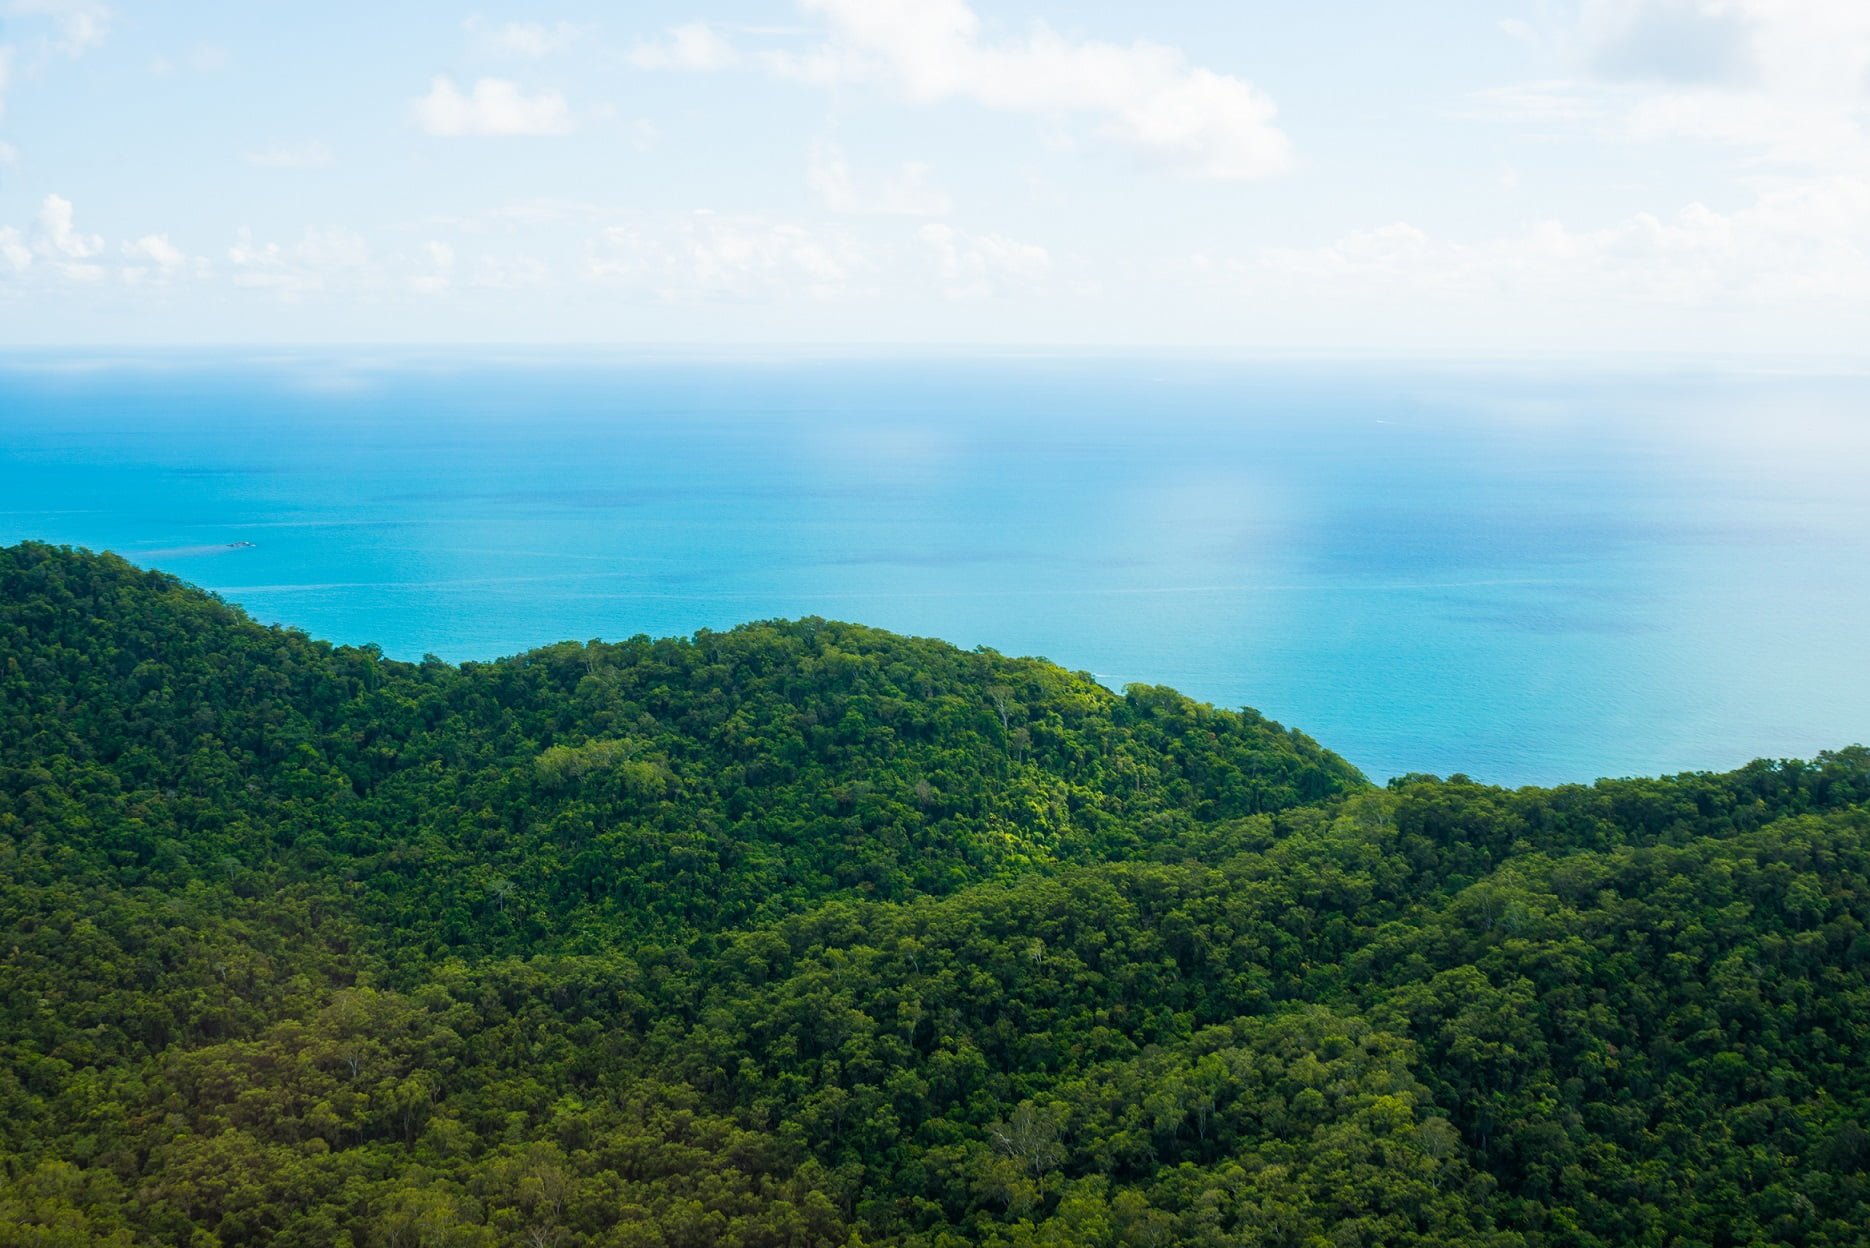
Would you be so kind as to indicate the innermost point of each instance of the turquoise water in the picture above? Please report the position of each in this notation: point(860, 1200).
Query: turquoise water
point(1529, 576)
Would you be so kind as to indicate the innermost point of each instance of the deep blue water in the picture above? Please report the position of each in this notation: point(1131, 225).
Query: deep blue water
point(1530, 576)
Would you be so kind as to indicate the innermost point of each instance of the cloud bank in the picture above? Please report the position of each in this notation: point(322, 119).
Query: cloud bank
point(495, 107)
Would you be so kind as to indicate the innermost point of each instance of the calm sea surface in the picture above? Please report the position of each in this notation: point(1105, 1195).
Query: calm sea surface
point(1529, 576)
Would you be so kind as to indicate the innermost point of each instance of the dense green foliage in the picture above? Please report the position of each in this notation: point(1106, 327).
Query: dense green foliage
point(809, 934)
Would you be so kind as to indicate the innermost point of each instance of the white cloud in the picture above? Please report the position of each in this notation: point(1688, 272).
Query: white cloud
point(320, 258)
point(162, 259)
point(713, 256)
point(1784, 85)
point(977, 266)
point(1782, 81)
point(1814, 45)
point(81, 24)
point(8, 154)
point(1669, 40)
point(1790, 86)
point(694, 46)
point(14, 253)
point(525, 38)
point(158, 250)
point(1787, 131)
point(245, 252)
point(59, 238)
point(1144, 95)
point(1806, 243)
point(495, 107)
point(310, 155)
point(908, 194)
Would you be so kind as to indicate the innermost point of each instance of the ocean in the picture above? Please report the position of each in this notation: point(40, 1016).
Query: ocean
point(1528, 574)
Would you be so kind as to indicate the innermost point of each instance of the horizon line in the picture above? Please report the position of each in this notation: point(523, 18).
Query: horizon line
point(508, 352)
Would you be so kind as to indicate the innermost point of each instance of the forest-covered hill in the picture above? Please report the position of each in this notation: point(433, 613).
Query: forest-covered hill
point(805, 933)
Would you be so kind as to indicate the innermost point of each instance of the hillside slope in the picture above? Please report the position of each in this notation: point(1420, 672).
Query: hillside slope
point(599, 790)
point(807, 934)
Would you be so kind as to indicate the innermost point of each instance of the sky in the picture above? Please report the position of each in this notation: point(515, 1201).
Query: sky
point(1442, 177)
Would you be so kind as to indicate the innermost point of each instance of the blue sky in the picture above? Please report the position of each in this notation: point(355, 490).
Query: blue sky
point(1448, 178)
